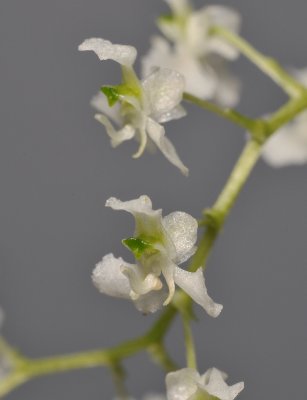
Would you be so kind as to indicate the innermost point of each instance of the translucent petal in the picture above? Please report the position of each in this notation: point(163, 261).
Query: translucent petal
point(200, 80)
point(181, 384)
point(152, 301)
point(157, 134)
point(117, 136)
point(176, 113)
point(229, 19)
point(168, 270)
point(216, 386)
point(193, 283)
point(163, 91)
point(179, 7)
point(182, 230)
point(100, 103)
point(108, 278)
point(288, 146)
point(105, 50)
point(148, 221)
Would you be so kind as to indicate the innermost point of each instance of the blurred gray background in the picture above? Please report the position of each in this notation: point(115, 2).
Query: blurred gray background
point(57, 169)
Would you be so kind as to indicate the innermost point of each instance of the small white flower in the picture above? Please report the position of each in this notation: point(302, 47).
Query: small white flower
point(188, 384)
point(194, 52)
point(288, 146)
point(159, 245)
point(138, 108)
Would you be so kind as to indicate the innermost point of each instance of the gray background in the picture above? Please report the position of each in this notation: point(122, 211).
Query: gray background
point(57, 169)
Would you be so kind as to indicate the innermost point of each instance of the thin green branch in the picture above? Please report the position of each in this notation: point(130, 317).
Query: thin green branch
point(266, 64)
point(160, 356)
point(189, 342)
point(229, 114)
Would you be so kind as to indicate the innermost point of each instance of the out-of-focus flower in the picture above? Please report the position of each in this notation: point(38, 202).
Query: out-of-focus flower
point(150, 397)
point(159, 246)
point(138, 108)
point(194, 52)
point(188, 384)
point(6, 362)
point(288, 146)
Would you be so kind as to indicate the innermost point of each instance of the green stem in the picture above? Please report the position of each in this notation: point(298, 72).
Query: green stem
point(189, 343)
point(215, 217)
point(160, 356)
point(230, 114)
point(266, 64)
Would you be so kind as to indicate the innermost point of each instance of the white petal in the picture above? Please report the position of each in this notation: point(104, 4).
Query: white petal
point(217, 386)
point(193, 283)
point(148, 221)
point(157, 134)
point(117, 136)
point(140, 282)
point(200, 80)
point(179, 7)
point(105, 50)
point(224, 16)
point(152, 301)
point(168, 270)
point(288, 145)
point(109, 279)
point(229, 19)
point(100, 103)
point(157, 56)
point(176, 113)
point(182, 230)
point(228, 88)
point(163, 90)
point(181, 384)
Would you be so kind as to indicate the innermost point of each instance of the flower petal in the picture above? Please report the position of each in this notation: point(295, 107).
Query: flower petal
point(157, 134)
point(181, 384)
point(227, 18)
point(179, 7)
point(176, 113)
point(168, 270)
point(163, 91)
point(182, 230)
point(152, 301)
point(148, 221)
point(217, 386)
point(108, 278)
point(117, 136)
point(288, 145)
point(100, 103)
point(105, 50)
point(193, 283)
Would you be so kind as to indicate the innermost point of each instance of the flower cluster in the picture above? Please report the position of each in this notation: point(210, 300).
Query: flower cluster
point(159, 246)
point(192, 50)
point(137, 107)
point(288, 146)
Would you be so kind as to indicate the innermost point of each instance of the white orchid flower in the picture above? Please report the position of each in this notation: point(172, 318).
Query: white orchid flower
point(288, 146)
point(194, 52)
point(137, 107)
point(188, 384)
point(159, 246)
